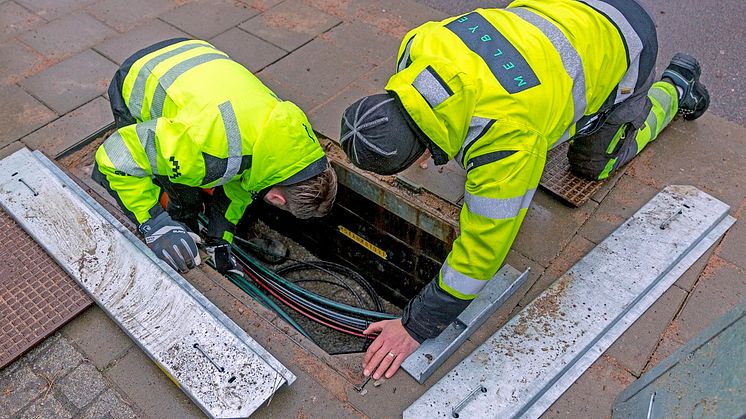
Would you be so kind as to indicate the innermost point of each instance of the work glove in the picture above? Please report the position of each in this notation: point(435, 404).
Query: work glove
point(221, 258)
point(172, 241)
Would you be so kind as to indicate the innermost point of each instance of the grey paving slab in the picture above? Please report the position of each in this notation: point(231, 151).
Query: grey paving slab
point(15, 19)
point(19, 388)
point(73, 82)
point(667, 345)
point(51, 9)
point(254, 53)
point(455, 7)
point(58, 360)
point(366, 42)
point(18, 61)
point(21, 114)
point(629, 195)
point(733, 246)
point(707, 153)
point(721, 287)
point(47, 407)
point(58, 136)
point(312, 74)
point(633, 349)
point(109, 405)
point(594, 392)
point(326, 117)
point(82, 385)
point(549, 226)
point(67, 35)
point(206, 19)
point(262, 5)
point(445, 181)
point(125, 15)
point(99, 338)
point(689, 278)
point(41, 348)
point(118, 48)
point(290, 24)
point(149, 388)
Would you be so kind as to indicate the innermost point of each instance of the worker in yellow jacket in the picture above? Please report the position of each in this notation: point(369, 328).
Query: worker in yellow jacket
point(495, 90)
point(189, 118)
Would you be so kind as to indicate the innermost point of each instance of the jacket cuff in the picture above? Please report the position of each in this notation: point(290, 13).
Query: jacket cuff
point(431, 311)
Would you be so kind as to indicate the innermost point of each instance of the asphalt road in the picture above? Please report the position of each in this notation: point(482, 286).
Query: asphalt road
point(712, 31)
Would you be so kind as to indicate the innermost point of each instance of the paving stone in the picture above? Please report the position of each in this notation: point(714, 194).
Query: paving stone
point(367, 43)
point(14, 19)
point(549, 226)
point(73, 82)
point(21, 114)
point(206, 19)
point(593, 394)
point(18, 61)
point(109, 405)
point(82, 385)
point(689, 278)
point(633, 349)
point(445, 181)
point(58, 360)
point(46, 407)
point(262, 5)
point(120, 47)
point(51, 9)
point(628, 196)
point(100, 339)
point(667, 345)
point(245, 48)
point(125, 15)
point(60, 135)
point(721, 287)
point(290, 24)
point(149, 388)
point(67, 35)
point(326, 118)
point(315, 72)
point(41, 347)
point(733, 246)
point(707, 153)
point(10, 149)
point(19, 388)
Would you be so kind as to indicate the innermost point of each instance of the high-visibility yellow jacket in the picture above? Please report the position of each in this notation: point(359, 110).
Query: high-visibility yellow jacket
point(203, 120)
point(495, 89)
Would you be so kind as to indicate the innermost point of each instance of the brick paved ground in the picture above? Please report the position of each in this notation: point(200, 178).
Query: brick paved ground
point(323, 54)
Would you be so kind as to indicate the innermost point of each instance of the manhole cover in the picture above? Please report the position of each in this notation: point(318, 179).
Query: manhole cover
point(558, 179)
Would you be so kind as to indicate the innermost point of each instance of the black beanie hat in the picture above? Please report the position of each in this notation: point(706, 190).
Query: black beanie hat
point(376, 137)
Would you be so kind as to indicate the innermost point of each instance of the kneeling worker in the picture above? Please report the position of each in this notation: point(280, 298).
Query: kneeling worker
point(189, 118)
point(495, 90)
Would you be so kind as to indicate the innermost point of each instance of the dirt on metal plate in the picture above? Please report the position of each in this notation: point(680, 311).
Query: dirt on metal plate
point(559, 181)
point(36, 295)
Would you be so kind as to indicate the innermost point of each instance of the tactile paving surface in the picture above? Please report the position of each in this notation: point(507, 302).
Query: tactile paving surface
point(36, 295)
point(558, 179)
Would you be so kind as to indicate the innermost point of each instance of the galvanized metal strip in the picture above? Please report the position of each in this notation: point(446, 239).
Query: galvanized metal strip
point(538, 354)
point(432, 353)
point(223, 370)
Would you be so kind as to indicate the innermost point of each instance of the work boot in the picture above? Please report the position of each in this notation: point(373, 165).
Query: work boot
point(269, 250)
point(684, 72)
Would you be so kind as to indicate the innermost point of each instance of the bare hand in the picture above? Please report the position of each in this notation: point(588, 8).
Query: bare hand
point(392, 346)
point(422, 161)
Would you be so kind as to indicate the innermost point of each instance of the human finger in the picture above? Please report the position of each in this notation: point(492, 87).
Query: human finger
point(395, 365)
point(377, 343)
point(384, 365)
point(378, 357)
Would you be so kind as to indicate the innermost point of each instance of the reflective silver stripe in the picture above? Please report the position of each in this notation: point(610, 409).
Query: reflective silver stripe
point(477, 127)
point(664, 99)
point(430, 88)
point(498, 208)
point(146, 134)
point(570, 60)
point(159, 96)
point(652, 121)
point(459, 282)
point(634, 47)
point(405, 56)
point(137, 95)
point(233, 135)
point(121, 157)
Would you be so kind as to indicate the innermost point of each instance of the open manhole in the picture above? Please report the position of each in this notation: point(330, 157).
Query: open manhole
point(376, 249)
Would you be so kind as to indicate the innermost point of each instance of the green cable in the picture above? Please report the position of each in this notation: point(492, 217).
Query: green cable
point(312, 296)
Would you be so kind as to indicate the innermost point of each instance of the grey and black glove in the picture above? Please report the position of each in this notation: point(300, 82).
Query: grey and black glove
point(221, 258)
point(172, 241)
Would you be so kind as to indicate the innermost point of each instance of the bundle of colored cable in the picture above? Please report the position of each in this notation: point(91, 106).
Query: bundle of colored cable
point(333, 314)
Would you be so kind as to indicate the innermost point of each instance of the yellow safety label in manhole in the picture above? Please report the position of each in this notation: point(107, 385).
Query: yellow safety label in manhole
point(362, 242)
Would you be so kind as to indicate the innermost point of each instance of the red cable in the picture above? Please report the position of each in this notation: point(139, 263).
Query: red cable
point(301, 311)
